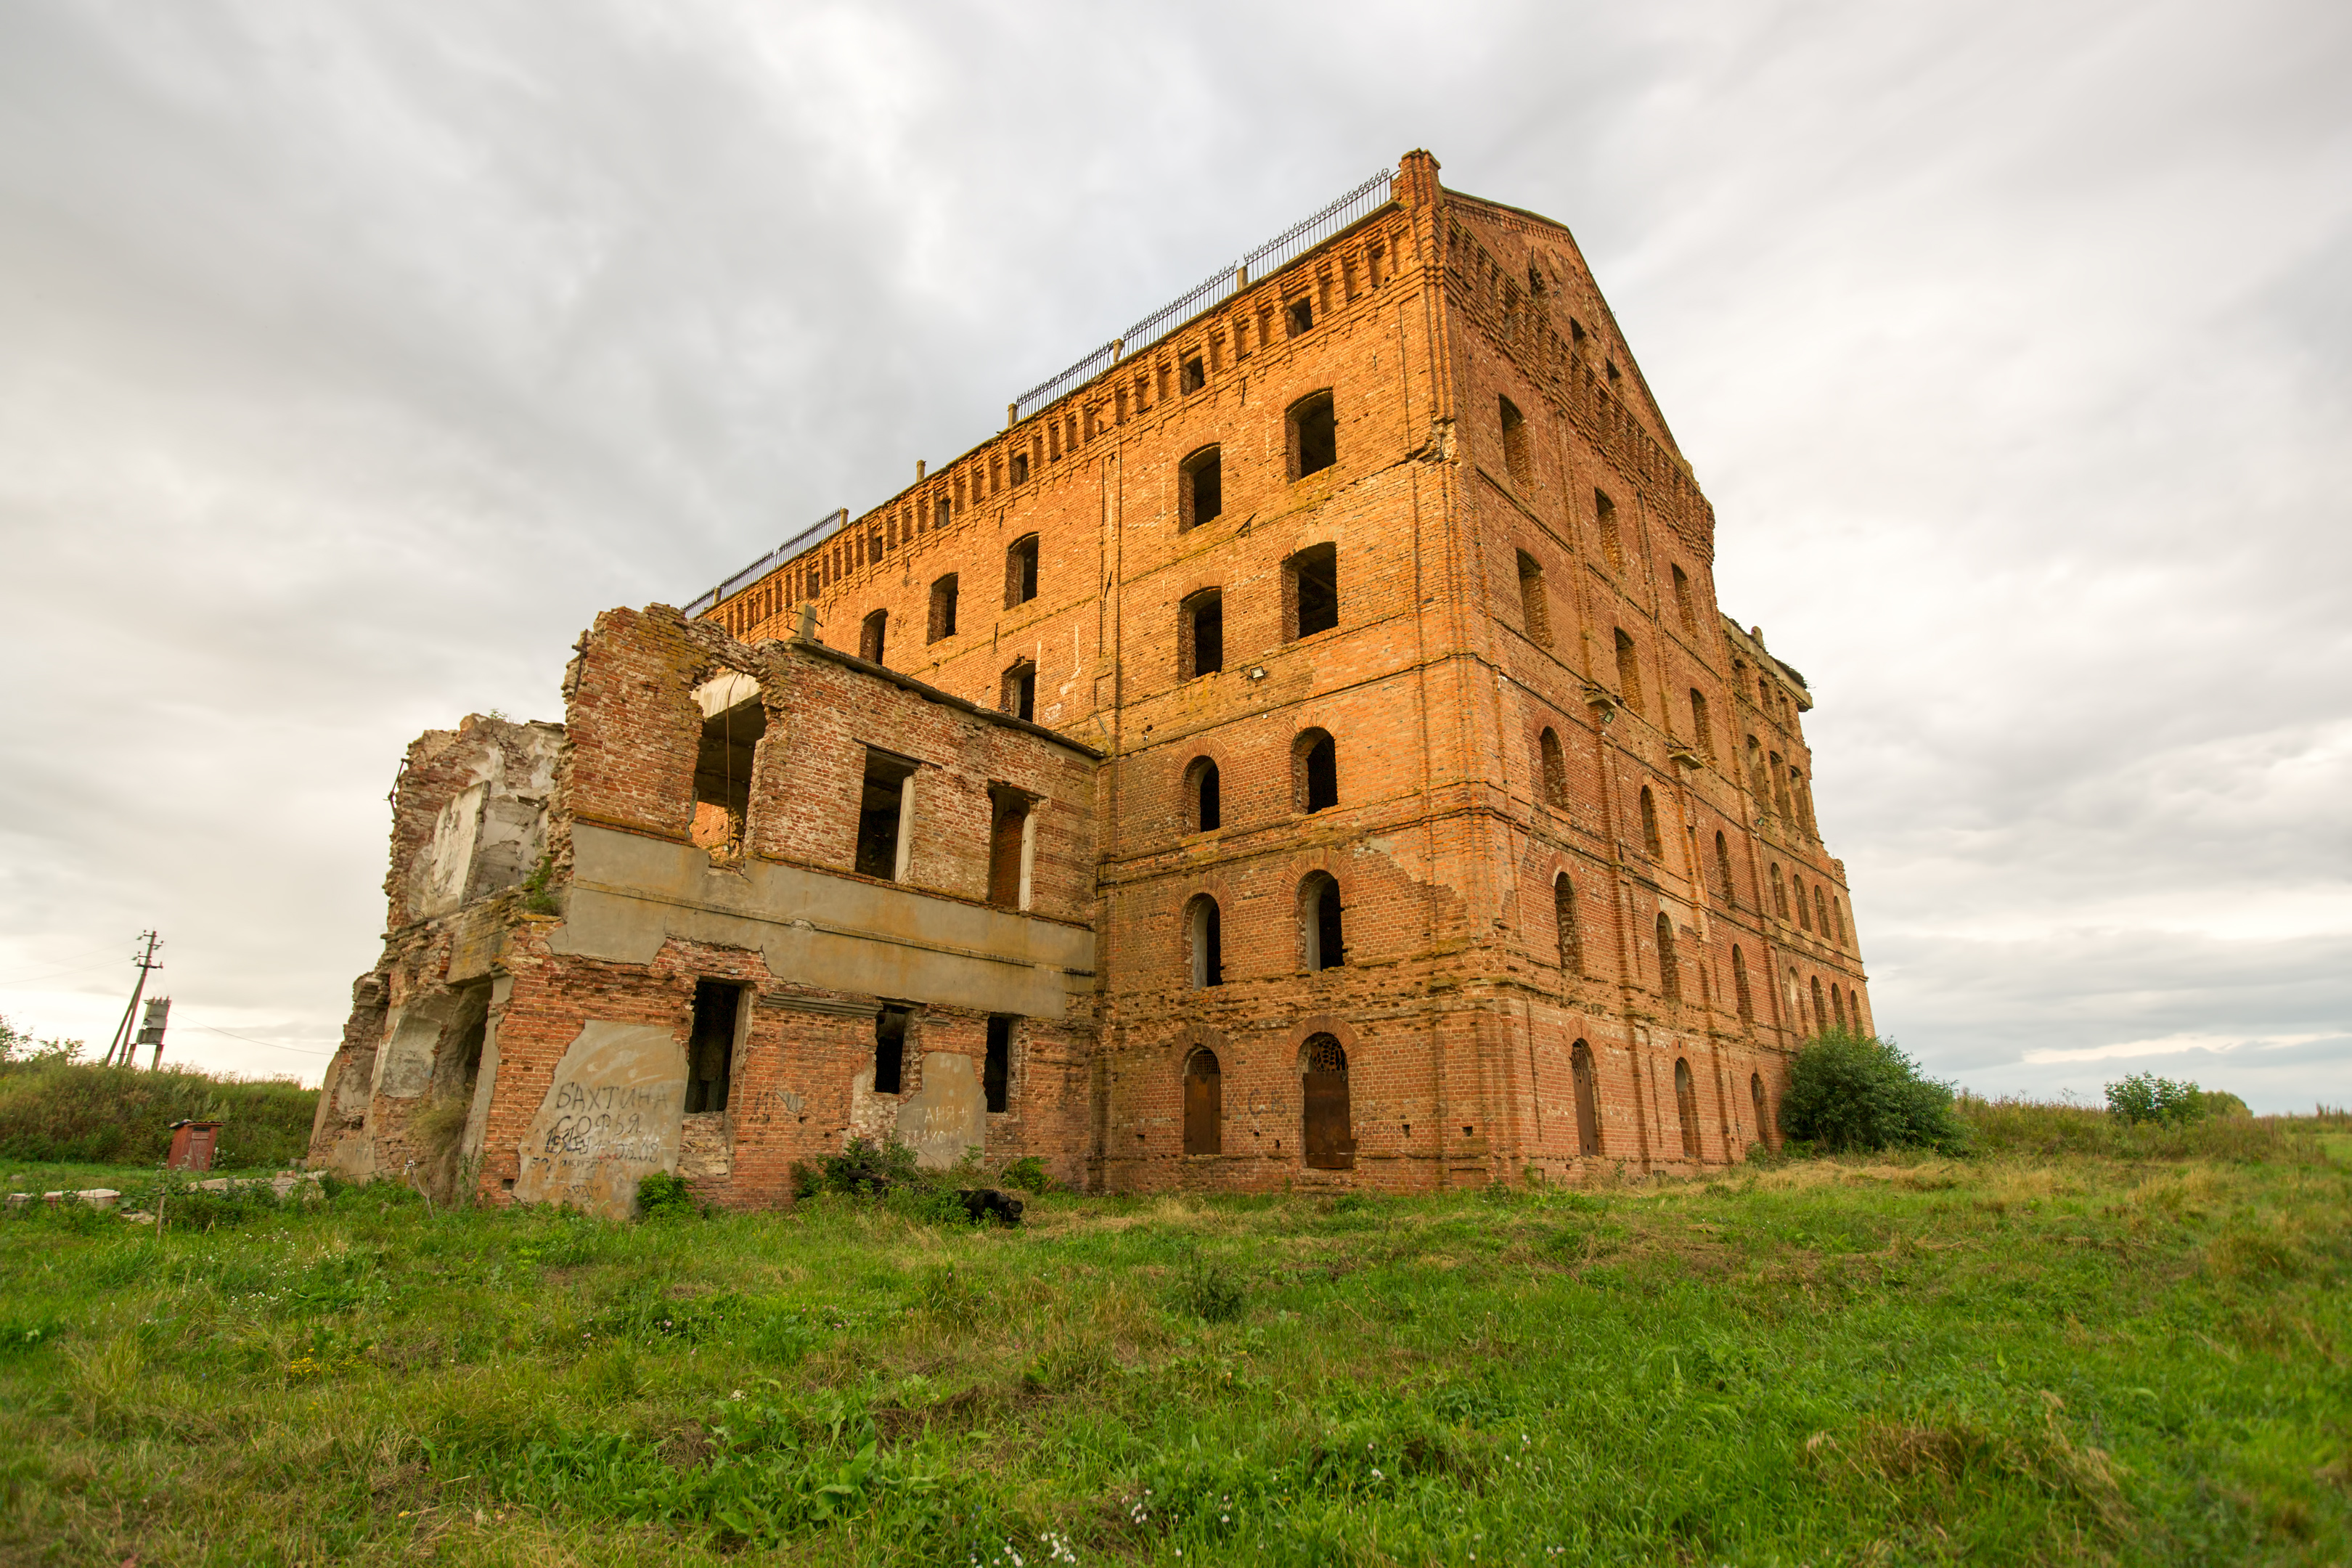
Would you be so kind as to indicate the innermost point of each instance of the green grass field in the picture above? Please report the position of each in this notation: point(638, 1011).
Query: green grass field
point(2016, 1358)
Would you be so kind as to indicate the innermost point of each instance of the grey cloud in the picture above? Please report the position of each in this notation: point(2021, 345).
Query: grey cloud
point(358, 356)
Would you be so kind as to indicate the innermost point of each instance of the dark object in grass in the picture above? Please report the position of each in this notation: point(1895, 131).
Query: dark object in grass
point(1853, 1091)
point(984, 1203)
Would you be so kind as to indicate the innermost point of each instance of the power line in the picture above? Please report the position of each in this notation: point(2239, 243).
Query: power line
point(273, 1045)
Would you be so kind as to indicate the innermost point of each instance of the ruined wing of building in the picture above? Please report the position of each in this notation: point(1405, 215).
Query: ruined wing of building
point(1301, 749)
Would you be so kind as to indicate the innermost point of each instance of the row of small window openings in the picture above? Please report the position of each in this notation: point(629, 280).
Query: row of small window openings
point(711, 1050)
point(1313, 783)
point(1321, 938)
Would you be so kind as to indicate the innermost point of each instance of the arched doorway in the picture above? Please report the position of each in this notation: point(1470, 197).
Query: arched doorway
point(1588, 1101)
point(1203, 1104)
point(1330, 1140)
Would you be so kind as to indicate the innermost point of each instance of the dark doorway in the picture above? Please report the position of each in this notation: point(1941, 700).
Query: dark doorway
point(890, 1049)
point(1203, 1104)
point(1330, 1140)
point(710, 1047)
point(996, 1073)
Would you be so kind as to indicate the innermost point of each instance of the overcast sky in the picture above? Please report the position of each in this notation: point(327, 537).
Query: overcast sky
point(353, 357)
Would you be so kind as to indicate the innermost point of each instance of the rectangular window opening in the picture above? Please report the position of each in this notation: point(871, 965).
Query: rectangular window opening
point(1311, 590)
point(1201, 649)
point(996, 1072)
point(1196, 376)
point(1008, 839)
point(883, 802)
point(722, 774)
point(710, 1047)
point(890, 1050)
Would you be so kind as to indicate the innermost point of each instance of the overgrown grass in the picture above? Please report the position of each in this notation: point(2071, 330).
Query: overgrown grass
point(2009, 1359)
point(59, 1112)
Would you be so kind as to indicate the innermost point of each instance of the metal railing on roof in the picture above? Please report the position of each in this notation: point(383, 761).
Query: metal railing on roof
point(1303, 237)
point(824, 527)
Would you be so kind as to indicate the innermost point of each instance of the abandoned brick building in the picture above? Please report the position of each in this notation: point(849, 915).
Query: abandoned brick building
point(1301, 749)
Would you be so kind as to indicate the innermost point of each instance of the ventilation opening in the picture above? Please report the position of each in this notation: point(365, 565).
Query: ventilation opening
point(1205, 936)
point(1020, 570)
point(890, 1049)
point(1008, 842)
point(1203, 810)
point(1611, 546)
point(943, 511)
point(1683, 604)
point(872, 634)
point(996, 1072)
point(722, 769)
point(1310, 582)
point(1535, 604)
point(1194, 376)
point(1203, 1104)
point(1317, 771)
point(943, 608)
point(1201, 634)
point(1651, 840)
point(1299, 316)
point(1330, 1143)
point(710, 1048)
point(1555, 770)
point(1320, 943)
point(881, 816)
point(1314, 435)
point(1017, 693)
point(1701, 731)
point(1020, 467)
point(1200, 489)
point(1629, 672)
point(1670, 968)
point(1564, 926)
point(1514, 442)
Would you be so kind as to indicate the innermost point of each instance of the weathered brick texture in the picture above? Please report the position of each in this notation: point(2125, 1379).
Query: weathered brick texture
point(1526, 612)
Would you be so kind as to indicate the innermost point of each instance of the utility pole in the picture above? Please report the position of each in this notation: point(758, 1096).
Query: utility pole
point(124, 1039)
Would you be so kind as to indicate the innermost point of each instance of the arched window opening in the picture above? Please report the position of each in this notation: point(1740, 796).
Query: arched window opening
point(1535, 604)
point(1330, 1140)
point(1020, 570)
point(1201, 634)
point(1514, 442)
point(1565, 927)
point(1702, 732)
point(1310, 592)
point(1204, 1110)
point(1204, 936)
point(1780, 893)
point(1821, 1013)
point(872, 635)
point(1820, 910)
point(1670, 968)
point(1321, 944)
point(889, 1050)
point(1612, 547)
point(1686, 1107)
point(1780, 789)
point(1651, 840)
point(1200, 489)
point(1741, 995)
point(943, 608)
point(1314, 426)
point(1837, 1007)
point(1204, 811)
point(1555, 770)
point(1763, 1116)
point(1314, 771)
point(1629, 672)
point(1837, 916)
point(1017, 692)
point(1684, 609)
point(1805, 805)
point(1797, 896)
point(1722, 869)
point(1588, 1099)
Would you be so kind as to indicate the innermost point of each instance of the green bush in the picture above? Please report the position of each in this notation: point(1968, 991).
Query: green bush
point(1027, 1174)
point(861, 1170)
point(1854, 1091)
point(663, 1195)
point(1211, 1290)
point(56, 1109)
point(2144, 1097)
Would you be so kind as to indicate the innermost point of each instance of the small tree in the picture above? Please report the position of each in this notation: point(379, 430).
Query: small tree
point(2144, 1097)
point(1853, 1091)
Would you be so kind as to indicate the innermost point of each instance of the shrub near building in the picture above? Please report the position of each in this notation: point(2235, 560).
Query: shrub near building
point(1856, 1092)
